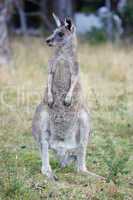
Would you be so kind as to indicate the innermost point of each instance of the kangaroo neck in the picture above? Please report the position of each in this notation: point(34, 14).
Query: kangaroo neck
point(68, 50)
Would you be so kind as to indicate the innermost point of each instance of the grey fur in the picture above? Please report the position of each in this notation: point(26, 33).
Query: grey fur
point(61, 121)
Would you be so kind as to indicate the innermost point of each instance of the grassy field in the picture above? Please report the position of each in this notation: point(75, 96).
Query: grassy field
point(107, 78)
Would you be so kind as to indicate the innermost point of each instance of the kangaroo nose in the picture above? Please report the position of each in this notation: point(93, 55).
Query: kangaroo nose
point(47, 41)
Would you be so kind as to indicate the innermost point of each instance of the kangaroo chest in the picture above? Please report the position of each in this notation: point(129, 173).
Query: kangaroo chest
point(61, 78)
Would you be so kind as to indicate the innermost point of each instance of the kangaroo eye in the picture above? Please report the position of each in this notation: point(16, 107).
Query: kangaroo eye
point(61, 34)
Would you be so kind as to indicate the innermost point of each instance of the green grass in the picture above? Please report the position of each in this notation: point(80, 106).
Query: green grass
point(107, 77)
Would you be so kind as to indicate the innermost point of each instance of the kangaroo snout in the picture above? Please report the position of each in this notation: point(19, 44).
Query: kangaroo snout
point(49, 41)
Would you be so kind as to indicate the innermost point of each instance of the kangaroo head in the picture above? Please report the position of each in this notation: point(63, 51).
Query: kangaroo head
point(62, 34)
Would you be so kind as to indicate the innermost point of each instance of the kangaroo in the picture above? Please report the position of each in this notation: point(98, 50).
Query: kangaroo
point(61, 122)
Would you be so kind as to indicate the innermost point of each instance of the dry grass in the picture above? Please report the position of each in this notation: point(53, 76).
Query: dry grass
point(107, 76)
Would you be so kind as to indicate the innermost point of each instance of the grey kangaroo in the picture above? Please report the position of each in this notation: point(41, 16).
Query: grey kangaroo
point(61, 121)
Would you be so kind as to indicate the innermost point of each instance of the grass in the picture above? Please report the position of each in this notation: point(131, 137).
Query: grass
point(107, 77)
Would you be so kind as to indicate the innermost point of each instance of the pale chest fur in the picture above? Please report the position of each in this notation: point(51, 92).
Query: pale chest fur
point(61, 78)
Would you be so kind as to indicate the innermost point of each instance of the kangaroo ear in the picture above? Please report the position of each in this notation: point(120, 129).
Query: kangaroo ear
point(69, 24)
point(57, 21)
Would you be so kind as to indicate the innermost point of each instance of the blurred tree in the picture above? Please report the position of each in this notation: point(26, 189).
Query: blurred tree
point(29, 16)
point(109, 20)
point(113, 7)
point(11, 5)
point(63, 8)
point(128, 16)
point(19, 4)
point(4, 42)
point(121, 5)
point(44, 10)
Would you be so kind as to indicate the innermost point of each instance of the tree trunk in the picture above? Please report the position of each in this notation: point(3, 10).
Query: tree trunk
point(109, 21)
point(45, 15)
point(4, 42)
point(121, 5)
point(20, 7)
point(63, 8)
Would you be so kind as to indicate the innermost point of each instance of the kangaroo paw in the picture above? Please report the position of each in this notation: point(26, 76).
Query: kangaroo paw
point(49, 174)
